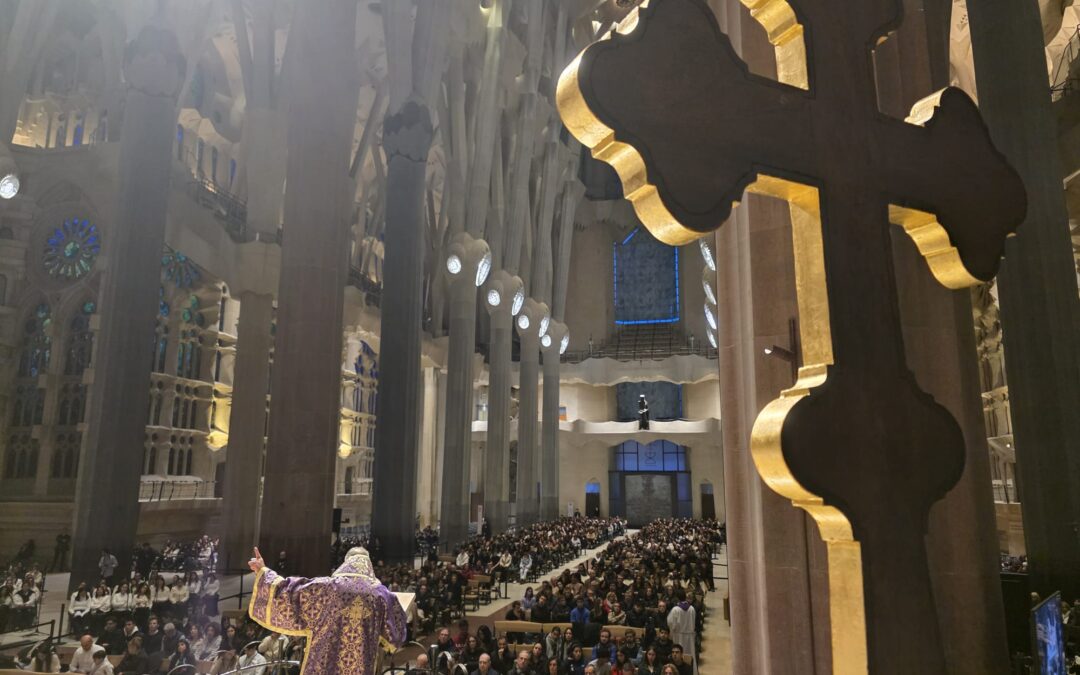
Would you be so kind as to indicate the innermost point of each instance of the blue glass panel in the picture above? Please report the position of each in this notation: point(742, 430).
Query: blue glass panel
point(646, 280)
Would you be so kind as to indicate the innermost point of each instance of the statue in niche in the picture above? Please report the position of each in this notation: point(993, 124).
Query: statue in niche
point(643, 412)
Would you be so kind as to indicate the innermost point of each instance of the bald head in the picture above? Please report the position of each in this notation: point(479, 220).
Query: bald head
point(86, 642)
point(484, 663)
point(522, 659)
point(422, 661)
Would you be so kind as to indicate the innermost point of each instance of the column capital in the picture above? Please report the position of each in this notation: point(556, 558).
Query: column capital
point(533, 320)
point(504, 294)
point(555, 340)
point(408, 132)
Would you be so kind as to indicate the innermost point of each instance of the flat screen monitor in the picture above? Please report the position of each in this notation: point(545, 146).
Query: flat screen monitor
point(1048, 637)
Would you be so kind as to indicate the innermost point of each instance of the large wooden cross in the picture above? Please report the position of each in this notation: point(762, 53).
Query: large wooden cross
point(667, 102)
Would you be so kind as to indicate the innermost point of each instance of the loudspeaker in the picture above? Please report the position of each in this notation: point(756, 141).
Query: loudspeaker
point(336, 527)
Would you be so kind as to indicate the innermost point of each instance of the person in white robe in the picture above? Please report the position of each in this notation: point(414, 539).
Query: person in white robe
point(682, 620)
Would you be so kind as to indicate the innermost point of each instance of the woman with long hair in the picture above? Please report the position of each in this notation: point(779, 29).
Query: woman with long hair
point(140, 605)
point(182, 656)
point(209, 644)
point(122, 601)
point(575, 665)
point(178, 597)
point(100, 605)
point(650, 665)
point(210, 590)
point(159, 597)
point(78, 610)
point(44, 659)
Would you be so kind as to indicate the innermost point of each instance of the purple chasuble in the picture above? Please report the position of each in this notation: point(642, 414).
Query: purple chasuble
point(342, 616)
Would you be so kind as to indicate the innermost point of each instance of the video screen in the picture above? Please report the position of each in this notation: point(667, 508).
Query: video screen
point(1049, 636)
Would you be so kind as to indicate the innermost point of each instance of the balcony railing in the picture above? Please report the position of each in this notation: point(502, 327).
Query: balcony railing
point(170, 490)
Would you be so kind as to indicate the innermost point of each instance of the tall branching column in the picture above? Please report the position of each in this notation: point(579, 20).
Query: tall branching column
point(415, 61)
point(1040, 313)
point(107, 493)
point(305, 405)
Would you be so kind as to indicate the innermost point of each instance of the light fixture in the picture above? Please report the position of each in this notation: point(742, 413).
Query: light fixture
point(565, 342)
point(9, 174)
point(709, 295)
point(519, 300)
point(467, 254)
point(494, 297)
point(780, 352)
point(707, 254)
point(544, 323)
point(545, 341)
point(453, 264)
point(712, 338)
point(710, 317)
point(9, 186)
point(483, 269)
point(523, 321)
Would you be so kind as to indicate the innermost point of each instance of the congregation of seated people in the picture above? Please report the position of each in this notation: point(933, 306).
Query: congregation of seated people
point(164, 616)
point(609, 615)
point(441, 583)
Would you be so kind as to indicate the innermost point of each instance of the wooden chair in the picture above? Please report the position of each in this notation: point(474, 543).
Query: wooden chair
point(236, 616)
point(471, 597)
point(203, 667)
point(620, 631)
point(115, 659)
point(562, 626)
point(488, 590)
point(504, 627)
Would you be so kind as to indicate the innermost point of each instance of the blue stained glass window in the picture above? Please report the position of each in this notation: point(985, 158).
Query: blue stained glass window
point(179, 269)
point(646, 280)
point(657, 456)
point(36, 347)
point(71, 249)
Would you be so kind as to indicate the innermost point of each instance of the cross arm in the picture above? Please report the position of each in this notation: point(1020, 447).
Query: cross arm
point(666, 101)
point(952, 191)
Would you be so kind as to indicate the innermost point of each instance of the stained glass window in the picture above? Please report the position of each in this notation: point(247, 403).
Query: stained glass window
point(72, 248)
point(80, 344)
point(179, 269)
point(37, 345)
point(22, 456)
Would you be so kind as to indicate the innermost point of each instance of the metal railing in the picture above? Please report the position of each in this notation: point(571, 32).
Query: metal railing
point(169, 490)
point(638, 344)
point(226, 206)
point(269, 666)
point(372, 291)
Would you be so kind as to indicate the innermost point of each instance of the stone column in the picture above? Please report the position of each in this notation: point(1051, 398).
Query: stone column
point(457, 447)
point(407, 136)
point(549, 430)
point(778, 587)
point(305, 405)
point(497, 460)
point(107, 492)
point(1040, 313)
point(247, 422)
point(528, 504)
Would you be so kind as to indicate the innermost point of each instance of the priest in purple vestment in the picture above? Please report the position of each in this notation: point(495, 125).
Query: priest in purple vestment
point(343, 616)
